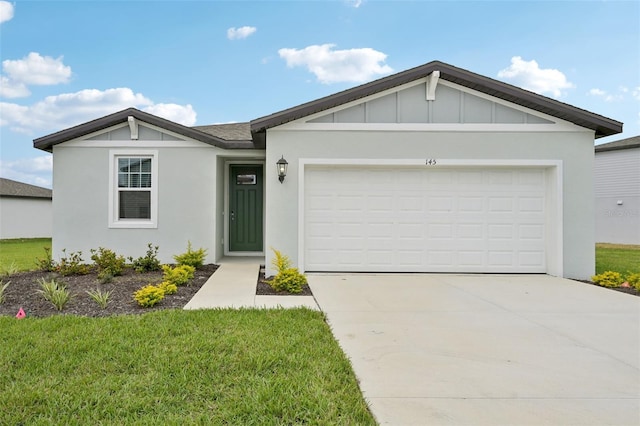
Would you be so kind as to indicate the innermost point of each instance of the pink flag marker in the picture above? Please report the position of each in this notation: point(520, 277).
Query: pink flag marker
point(21, 314)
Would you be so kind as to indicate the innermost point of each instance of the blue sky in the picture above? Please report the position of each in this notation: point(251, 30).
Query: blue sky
point(205, 62)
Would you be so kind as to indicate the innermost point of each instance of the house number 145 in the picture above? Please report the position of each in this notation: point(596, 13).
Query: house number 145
point(431, 162)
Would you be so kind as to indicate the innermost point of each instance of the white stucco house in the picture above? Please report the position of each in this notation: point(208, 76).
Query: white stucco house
point(434, 169)
point(617, 191)
point(25, 210)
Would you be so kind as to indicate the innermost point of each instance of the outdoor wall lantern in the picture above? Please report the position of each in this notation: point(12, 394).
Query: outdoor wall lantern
point(282, 168)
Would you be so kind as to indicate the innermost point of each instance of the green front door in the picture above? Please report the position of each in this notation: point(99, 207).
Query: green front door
point(245, 208)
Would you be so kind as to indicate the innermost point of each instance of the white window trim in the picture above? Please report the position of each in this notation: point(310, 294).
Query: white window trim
point(114, 221)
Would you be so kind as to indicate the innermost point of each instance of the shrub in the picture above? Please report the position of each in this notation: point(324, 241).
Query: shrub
point(3, 287)
point(193, 258)
point(168, 288)
point(280, 262)
point(634, 280)
point(289, 280)
point(100, 297)
point(149, 296)
point(147, 263)
point(47, 264)
point(179, 275)
point(608, 279)
point(109, 264)
point(72, 265)
point(55, 293)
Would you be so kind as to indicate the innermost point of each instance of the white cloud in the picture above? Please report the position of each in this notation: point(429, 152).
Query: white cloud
point(35, 69)
point(35, 170)
point(69, 109)
point(333, 66)
point(6, 11)
point(355, 3)
point(529, 76)
point(240, 33)
point(609, 97)
point(183, 114)
point(597, 92)
point(636, 93)
point(12, 89)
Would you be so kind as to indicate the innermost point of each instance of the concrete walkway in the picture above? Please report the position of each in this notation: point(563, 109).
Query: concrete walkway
point(233, 285)
point(487, 349)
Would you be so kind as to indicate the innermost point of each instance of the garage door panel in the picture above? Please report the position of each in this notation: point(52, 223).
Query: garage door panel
point(419, 220)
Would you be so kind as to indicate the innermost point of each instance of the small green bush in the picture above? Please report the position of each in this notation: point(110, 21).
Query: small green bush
point(3, 287)
point(609, 279)
point(108, 263)
point(633, 279)
point(179, 275)
point(55, 293)
point(7, 271)
point(72, 265)
point(289, 280)
point(47, 264)
point(148, 262)
point(193, 258)
point(149, 296)
point(100, 297)
point(168, 288)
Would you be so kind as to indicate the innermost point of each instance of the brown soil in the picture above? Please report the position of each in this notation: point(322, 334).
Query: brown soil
point(23, 293)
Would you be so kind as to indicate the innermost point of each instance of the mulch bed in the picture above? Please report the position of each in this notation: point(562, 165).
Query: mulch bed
point(264, 289)
point(629, 290)
point(23, 293)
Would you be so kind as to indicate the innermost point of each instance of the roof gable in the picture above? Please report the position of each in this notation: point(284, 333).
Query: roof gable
point(46, 143)
point(602, 126)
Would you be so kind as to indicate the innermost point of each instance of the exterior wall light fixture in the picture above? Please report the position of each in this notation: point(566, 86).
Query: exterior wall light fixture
point(282, 168)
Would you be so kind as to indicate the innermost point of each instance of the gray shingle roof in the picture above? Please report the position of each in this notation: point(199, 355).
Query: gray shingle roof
point(12, 188)
point(628, 143)
point(229, 132)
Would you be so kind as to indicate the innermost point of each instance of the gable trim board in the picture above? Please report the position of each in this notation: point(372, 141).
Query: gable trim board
point(390, 129)
point(542, 254)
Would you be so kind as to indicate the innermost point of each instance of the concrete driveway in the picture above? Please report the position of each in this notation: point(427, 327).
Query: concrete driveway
point(487, 349)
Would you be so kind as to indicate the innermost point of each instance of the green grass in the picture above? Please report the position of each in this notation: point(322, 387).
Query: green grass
point(617, 258)
point(248, 367)
point(22, 252)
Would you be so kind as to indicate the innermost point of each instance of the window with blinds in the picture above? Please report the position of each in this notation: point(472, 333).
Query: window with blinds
point(134, 187)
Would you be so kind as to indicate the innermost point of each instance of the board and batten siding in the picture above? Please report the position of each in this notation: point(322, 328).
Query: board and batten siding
point(617, 194)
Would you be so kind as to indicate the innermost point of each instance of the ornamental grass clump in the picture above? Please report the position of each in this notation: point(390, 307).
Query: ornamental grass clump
point(100, 297)
point(3, 287)
point(191, 257)
point(54, 292)
point(179, 275)
point(148, 296)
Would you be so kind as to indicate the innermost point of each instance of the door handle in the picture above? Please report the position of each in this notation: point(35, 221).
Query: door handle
point(233, 216)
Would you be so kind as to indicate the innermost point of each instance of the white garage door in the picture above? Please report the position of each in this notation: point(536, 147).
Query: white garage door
point(408, 219)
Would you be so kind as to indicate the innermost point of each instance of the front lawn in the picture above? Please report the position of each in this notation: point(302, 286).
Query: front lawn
point(249, 367)
point(22, 252)
point(617, 258)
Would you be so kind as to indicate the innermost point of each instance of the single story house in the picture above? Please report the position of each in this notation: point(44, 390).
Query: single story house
point(433, 169)
point(26, 211)
point(617, 191)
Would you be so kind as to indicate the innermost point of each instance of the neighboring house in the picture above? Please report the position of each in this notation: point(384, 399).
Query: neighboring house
point(617, 190)
point(434, 169)
point(25, 210)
